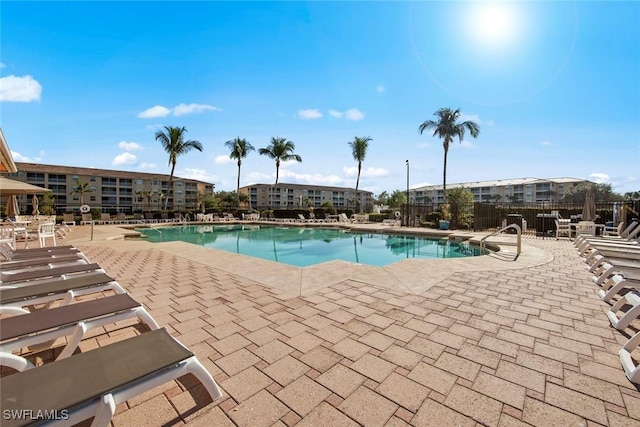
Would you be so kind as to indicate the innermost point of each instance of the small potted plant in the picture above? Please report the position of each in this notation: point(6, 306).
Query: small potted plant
point(444, 223)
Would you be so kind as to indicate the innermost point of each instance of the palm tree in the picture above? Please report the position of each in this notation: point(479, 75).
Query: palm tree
point(359, 147)
point(172, 140)
point(239, 147)
point(447, 128)
point(280, 149)
point(81, 188)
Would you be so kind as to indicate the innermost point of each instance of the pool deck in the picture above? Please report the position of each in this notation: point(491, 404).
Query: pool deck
point(453, 342)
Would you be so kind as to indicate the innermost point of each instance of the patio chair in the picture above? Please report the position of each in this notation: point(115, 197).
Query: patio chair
point(38, 330)
point(613, 231)
point(301, 218)
point(97, 381)
point(86, 219)
point(605, 270)
point(148, 218)
point(68, 219)
point(64, 290)
point(631, 370)
point(615, 285)
point(46, 231)
point(13, 277)
point(586, 227)
point(137, 218)
point(70, 258)
point(11, 253)
point(105, 218)
point(626, 237)
point(343, 218)
point(629, 307)
point(563, 227)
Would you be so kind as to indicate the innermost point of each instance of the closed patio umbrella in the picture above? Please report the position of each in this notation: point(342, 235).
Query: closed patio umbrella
point(11, 209)
point(34, 203)
point(589, 209)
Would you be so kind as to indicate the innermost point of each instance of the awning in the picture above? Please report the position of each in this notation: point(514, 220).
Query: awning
point(10, 186)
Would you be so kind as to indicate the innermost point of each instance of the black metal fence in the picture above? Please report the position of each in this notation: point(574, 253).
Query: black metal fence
point(492, 216)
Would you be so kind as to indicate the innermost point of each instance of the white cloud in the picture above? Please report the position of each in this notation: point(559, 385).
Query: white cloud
point(223, 160)
point(475, 118)
point(179, 110)
point(259, 177)
point(424, 145)
point(154, 112)
point(314, 179)
point(124, 159)
point(380, 88)
point(336, 114)
point(2, 65)
point(19, 89)
point(370, 172)
point(354, 114)
point(309, 114)
point(17, 157)
point(199, 174)
point(466, 145)
point(546, 143)
point(129, 146)
point(287, 163)
point(182, 109)
point(145, 165)
point(599, 177)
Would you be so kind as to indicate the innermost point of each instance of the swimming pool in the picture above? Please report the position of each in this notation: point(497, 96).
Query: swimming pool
point(303, 247)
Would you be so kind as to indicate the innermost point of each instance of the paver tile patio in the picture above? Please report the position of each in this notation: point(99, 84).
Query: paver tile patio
point(497, 344)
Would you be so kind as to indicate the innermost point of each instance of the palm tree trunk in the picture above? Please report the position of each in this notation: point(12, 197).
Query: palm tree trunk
point(444, 172)
point(170, 187)
point(238, 186)
point(359, 210)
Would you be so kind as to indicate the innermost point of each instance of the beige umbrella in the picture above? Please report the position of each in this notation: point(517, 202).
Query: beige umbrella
point(11, 208)
point(589, 209)
point(10, 186)
point(34, 203)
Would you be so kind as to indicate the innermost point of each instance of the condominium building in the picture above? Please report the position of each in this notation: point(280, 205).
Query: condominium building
point(503, 190)
point(110, 190)
point(299, 195)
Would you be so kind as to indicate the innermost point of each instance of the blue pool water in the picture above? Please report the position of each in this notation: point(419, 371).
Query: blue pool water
point(302, 247)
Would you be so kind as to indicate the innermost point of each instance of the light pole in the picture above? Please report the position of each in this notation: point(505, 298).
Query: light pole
point(407, 193)
point(407, 182)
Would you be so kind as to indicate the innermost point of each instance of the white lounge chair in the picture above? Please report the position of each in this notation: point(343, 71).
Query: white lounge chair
point(96, 381)
point(39, 329)
point(631, 370)
point(630, 300)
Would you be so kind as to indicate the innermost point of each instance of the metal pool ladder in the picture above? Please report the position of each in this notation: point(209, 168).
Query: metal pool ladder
point(518, 239)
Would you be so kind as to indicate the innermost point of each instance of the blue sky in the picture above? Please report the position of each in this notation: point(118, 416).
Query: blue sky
point(554, 86)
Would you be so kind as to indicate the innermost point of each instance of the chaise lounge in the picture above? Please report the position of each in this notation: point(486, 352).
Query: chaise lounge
point(95, 382)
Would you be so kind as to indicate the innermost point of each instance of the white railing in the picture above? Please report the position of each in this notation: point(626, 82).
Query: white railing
point(518, 238)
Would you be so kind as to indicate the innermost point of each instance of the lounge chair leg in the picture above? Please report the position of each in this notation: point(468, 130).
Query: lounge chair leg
point(78, 333)
point(147, 319)
point(629, 316)
point(195, 367)
point(16, 362)
point(630, 369)
point(613, 286)
point(105, 411)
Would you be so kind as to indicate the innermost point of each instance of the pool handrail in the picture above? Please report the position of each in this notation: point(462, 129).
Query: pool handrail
point(518, 239)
